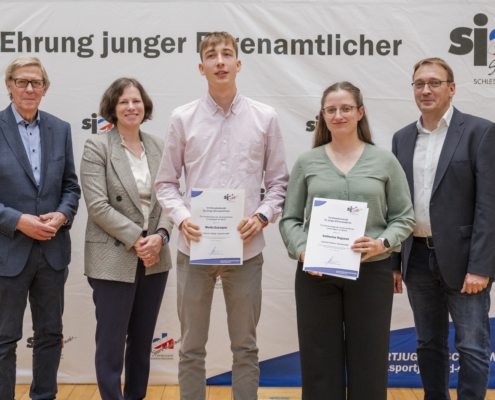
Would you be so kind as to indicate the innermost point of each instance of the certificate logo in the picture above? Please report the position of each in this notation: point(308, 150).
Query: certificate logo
point(231, 198)
point(354, 210)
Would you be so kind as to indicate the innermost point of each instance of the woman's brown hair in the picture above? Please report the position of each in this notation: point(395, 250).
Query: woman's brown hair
point(111, 96)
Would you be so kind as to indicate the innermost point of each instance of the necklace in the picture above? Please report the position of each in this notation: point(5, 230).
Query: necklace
point(347, 152)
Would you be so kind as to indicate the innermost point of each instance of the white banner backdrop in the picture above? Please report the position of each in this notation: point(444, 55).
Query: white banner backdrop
point(290, 52)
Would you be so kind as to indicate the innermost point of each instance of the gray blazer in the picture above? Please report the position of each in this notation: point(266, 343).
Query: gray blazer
point(19, 194)
point(115, 217)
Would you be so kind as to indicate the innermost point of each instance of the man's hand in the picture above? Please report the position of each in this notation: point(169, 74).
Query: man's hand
point(474, 283)
point(249, 228)
point(190, 231)
point(371, 247)
point(55, 219)
point(397, 281)
point(34, 227)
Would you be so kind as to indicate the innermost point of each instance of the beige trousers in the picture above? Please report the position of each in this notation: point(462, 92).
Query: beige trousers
point(242, 292)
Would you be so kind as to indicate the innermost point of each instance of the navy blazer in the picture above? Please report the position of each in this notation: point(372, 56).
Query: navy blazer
point(19, 194)
point(462, 204)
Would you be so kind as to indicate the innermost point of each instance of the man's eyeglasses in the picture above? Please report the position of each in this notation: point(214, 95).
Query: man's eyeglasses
point(346, 110)
point(431, 84)
point(23, 83)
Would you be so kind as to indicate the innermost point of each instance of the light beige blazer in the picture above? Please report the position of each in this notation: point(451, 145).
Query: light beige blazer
point(115, 216)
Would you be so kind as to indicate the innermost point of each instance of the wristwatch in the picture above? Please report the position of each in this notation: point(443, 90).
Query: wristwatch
point(163, 235)
point(262, 218)
point(385, 243)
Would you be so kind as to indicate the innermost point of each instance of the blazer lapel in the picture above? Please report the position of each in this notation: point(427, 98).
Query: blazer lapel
point(153, 155)
point(10, 130)
point(46, 134)
point(407, 151)
point(452, 139)
point(122, 168)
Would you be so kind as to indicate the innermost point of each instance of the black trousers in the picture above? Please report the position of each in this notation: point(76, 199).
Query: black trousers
point(344, 331)
point(126, 315)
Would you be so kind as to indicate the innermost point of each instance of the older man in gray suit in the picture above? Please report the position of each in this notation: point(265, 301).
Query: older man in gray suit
point(38, 203)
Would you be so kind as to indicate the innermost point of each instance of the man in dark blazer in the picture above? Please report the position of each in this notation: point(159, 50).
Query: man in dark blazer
point(449, 263)
point(39, 196)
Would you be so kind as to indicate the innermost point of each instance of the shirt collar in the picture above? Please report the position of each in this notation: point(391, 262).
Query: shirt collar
point(123, 143)
point(447, 117)
point(22, 121)
point(214, 107)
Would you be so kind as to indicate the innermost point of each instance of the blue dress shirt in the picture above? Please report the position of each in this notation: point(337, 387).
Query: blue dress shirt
point(30, 135)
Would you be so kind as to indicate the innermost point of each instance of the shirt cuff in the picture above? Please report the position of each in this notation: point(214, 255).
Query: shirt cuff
point(180, 216)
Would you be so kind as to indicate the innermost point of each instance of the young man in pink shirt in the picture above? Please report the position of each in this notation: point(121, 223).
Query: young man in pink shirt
point(223, 140)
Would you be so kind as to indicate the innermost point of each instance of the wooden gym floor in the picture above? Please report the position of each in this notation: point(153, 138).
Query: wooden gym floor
point(90, 392)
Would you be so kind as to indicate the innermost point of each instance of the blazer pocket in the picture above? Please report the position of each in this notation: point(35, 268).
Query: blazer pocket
point(57, 158)
point(460, 163)
point(97, 237)
point(466, 231)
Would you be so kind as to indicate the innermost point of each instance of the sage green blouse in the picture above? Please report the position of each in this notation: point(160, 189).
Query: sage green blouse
point(377, 178)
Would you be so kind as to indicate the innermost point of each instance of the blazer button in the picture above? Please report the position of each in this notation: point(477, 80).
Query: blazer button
point(119, 198)
point(38, 201)
point(117, 243)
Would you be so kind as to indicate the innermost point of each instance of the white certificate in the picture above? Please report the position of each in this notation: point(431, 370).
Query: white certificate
point(334, 226)
point(218, 213)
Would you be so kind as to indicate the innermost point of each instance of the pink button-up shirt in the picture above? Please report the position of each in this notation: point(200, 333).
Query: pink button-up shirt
point(236, 150)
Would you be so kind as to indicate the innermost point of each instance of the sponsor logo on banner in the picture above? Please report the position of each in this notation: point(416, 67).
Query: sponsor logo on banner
point(96, 124)
point(311, 125)
point(408, 362)
point(161, 347)
point(218, 282)
point(480, 41)
point(65, 341)
point(30, 341)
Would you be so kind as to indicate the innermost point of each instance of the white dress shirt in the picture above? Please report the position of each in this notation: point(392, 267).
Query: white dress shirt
point(235, 150)
point(142, 176)
point(426, 155)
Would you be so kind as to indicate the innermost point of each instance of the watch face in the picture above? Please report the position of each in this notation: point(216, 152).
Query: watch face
point(165, 240)
point(386, 244)
point(262, 217)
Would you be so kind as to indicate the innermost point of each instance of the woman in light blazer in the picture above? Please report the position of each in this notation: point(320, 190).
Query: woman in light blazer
point(126, 253)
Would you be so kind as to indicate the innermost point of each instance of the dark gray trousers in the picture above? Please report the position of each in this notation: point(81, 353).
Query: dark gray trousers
point(45, 288)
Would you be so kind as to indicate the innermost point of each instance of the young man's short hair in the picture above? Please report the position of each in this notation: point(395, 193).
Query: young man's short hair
point(214, 38)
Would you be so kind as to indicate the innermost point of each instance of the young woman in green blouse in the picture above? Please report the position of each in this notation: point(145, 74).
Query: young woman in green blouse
point(344, 325)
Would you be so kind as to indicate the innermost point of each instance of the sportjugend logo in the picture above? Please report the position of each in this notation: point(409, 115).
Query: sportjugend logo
point(479, 40)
